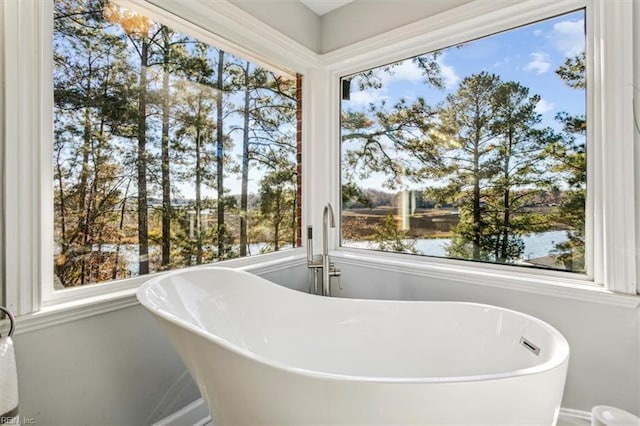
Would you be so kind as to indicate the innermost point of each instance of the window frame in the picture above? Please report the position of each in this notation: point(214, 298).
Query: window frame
point(28, 177)
point(26, 121)
point(610, 214)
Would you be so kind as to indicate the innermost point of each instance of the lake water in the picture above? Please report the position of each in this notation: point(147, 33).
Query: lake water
point(130, 252)
point(535, 245)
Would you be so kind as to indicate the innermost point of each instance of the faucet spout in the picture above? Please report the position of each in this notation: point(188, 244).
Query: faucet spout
point(328, 271)
point(327, 214)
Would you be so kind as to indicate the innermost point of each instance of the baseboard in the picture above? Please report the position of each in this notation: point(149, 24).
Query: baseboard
point(197, 414)
point(194, 414)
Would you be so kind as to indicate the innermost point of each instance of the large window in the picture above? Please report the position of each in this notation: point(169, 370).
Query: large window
point(168, 152)
point(475, 152)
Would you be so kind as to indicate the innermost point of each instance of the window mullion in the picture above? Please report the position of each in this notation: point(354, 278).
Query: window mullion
point(612, 87)
point(23, 174)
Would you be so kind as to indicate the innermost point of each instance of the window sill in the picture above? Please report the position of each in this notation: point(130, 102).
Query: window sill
point(65, 296)
point(79, 303)
point(557, 285)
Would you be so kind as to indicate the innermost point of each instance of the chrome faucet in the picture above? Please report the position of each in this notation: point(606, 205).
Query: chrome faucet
point(328, 270)
point(314, 263)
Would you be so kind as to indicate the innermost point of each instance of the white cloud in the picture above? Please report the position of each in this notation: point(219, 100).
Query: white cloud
point(366, 97)
point(408, 71)
point(544, 106)
point(449, 75)
point(537, 33)
point(568, 37)
point(540, 63)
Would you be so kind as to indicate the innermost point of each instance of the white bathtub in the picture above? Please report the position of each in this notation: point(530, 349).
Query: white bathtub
point(262, 354)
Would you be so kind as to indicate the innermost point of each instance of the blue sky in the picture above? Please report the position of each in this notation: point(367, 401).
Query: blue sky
point(528, 55)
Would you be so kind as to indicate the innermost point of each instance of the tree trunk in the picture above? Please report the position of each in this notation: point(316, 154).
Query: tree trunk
point(166, 176)
point(245, 167)
point(82, 193)
point(477, 214)
point(220, 157)
point(297, 218)
point(84, 178)
point(276, 222)
point(64, 243)
point(506, 199)
point(198, 185)
point(505, 224)
point(141, 164)
point(123, 211)
point(294, 222)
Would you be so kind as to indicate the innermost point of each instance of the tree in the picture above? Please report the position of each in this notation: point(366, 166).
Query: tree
point(143, 34)
point(89, 81)
point(520, 174)
point(492, 138)
point(392, 141)
point(143, 112)
point(277, 197)
point(197, 129)
point(268, 101)
point(466, 139)
point(570, 158)
point(354, 196)
point(174, 60)
point(244, 191)
point(220, 155)
point(389, 237)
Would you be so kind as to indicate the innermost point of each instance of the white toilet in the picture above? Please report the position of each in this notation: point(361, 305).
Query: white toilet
point(604, 415)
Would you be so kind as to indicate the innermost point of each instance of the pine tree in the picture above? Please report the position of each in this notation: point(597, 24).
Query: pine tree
point(90, 79)
point(196, 129)
point(466, 139)
point(144, 36)
point(521, 170)
point(570, 158)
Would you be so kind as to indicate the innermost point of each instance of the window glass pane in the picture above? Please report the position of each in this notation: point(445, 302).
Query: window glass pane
point(476, 151)
point(168, 152)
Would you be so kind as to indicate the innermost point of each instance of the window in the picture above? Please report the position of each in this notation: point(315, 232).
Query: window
point(28, 142)
point(475, 152)
point(168, 152)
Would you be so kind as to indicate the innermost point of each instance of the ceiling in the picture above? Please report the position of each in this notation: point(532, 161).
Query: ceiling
point(321, 7)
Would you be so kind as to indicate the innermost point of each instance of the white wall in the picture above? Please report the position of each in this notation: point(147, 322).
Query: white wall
point(604, 339)
point(2, 258)
point(351, 23)
point(363, 19)
point(115, 368)
point(636, 103)
point(290, 17)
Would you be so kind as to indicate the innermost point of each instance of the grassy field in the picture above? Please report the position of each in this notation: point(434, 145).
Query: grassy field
point(424, 223)
point(362, 223)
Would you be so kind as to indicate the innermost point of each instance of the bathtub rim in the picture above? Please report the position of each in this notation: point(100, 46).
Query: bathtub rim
point(557, 360)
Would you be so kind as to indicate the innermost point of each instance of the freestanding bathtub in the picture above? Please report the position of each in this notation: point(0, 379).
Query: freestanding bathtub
point(262, 354)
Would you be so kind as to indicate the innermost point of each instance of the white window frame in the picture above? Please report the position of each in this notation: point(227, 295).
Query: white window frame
point(28, 181)
point(26, 118)
point(611, 181)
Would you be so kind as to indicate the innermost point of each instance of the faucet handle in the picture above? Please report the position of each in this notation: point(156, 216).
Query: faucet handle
point(336, 272)
point(333, 271)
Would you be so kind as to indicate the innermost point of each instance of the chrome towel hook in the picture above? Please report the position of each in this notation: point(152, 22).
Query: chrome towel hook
point(12, 320)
